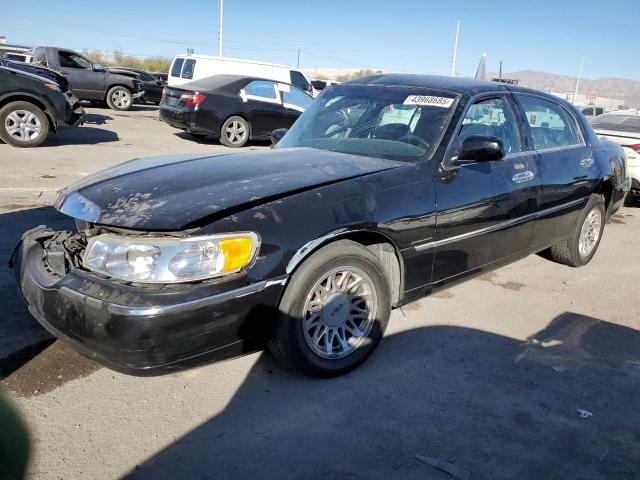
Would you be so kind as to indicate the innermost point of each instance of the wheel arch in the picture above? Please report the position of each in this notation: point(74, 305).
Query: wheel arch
point(35, 101)
point(380, 245)
point(606, 190)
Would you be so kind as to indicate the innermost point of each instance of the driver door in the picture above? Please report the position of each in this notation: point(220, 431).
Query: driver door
point(83, 80)
point(485, 209)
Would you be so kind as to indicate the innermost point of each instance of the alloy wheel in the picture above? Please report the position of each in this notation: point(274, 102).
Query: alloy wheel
point(339, 312)
point(23, 125)
point(121, 98)
point(235, 132)
point(590, 232)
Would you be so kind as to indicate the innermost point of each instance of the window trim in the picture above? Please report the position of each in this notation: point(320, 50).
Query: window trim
point(578, 125)
point(446, 160)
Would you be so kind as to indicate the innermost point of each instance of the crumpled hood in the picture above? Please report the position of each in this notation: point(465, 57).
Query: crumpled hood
point(172, 192)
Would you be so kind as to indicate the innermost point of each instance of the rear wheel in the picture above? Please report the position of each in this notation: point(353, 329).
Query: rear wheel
point(579, 249)
point(235, 132)
point(334, 311)
point(23, 124)
point(119, 98)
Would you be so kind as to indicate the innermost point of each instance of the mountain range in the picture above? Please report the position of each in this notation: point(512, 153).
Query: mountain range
point(622, 88)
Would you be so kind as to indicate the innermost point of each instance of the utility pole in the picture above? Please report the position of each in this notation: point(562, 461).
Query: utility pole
point(220, 29)
point(455, 50)
point(298, 61)
point(500, 72)
point(575, 93)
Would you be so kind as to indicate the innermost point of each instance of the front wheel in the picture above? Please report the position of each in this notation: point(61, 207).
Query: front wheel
point(234, 132)
point(579, 249)
point(333, 312)
point(119, 98)
point(22, 124)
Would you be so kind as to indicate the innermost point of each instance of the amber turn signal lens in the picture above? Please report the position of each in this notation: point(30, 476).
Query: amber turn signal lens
point(237, 252)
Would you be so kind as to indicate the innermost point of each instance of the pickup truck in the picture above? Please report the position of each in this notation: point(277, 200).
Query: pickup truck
point(88, 80)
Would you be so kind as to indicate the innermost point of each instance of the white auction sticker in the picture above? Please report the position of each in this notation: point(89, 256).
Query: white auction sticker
point(442, 102)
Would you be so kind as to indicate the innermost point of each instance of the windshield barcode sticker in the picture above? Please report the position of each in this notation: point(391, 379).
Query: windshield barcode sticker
point(442, 102)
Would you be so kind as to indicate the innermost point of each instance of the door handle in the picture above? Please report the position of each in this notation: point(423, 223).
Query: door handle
point(523, 177)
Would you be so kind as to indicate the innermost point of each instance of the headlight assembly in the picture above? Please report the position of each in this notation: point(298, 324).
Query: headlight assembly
point(170, 260)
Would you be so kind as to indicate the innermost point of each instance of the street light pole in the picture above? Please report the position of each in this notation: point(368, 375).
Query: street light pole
point(220, 29)
point(575, 93)
point(455, 50)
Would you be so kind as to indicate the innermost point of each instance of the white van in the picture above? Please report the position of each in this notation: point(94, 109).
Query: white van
point(187, 68)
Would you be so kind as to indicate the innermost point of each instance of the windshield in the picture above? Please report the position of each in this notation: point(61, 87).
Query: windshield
point(612, 121)
point(399, 123)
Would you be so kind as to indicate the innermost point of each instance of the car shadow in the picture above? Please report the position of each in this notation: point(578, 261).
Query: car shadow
point(80, 136)
point(21, 337)
point(563, 404)
point(96, 119)
point(212, 141)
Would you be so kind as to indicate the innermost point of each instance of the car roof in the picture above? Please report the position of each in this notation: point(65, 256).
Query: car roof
point(461, 85)
point(222, 82)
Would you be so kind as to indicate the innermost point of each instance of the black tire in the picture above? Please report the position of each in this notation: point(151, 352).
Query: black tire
point(633, 199)
point(568, 251)
point(229, 139)
point(289, 343)
point(119, 98)
point(30, 121)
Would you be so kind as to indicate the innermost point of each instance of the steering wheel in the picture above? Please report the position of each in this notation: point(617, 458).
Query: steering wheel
point(415, 140)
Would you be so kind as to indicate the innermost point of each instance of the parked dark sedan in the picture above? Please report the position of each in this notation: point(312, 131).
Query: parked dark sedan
point(33, 102)
point(151, 85)
point(233, 108)
point(387, 188)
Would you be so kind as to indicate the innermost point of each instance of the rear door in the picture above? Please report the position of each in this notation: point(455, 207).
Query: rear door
point(485, 210)
point(567, 168)
point(85, 83)
point(262, 106)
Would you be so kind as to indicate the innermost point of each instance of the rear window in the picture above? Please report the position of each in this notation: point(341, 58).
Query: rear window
point(187, 70)
point(39, 55)
point(15, 56)
point(623, 123)
point(299, 80)
point(176, 67)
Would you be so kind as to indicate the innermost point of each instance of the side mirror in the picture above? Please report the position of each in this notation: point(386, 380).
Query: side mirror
point(480, 148)
point(97, 67)
point(277, 135)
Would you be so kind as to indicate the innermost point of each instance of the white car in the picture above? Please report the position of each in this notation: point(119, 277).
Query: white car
point(188, 68)
point(17, 57)
point(623, 129)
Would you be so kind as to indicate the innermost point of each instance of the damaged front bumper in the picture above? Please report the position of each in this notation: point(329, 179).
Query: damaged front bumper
point(143, 330)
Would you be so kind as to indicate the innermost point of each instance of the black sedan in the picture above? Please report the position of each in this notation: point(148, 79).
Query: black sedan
point(151, 85)
point(33, 102)
point(233, 108)
point(387, 188)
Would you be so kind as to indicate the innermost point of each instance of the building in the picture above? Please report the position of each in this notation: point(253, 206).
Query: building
point(591, 98)
point(6, 47)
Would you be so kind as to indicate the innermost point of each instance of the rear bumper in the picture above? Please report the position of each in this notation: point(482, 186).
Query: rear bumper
point(184, 120)
point(140, 330)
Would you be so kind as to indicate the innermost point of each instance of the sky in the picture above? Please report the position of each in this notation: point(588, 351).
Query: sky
point(400, 35)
